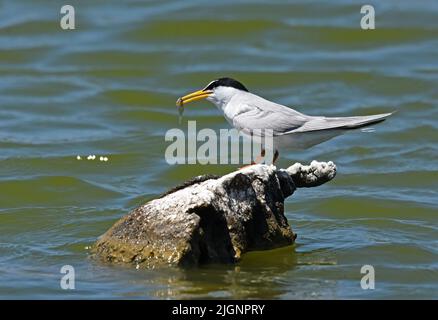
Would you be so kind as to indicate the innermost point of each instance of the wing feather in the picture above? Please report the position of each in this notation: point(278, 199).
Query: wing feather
point(255, 112)
point(279, 118)
point(325, 123)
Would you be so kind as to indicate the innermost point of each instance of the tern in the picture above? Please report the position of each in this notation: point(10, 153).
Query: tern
point(251, 113)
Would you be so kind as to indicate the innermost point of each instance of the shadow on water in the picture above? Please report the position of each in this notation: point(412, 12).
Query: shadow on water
point(259, 274)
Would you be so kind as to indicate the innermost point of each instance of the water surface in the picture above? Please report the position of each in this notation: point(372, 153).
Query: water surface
point(108, 88)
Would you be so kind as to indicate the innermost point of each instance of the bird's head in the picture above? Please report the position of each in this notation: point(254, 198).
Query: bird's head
point(218, 91)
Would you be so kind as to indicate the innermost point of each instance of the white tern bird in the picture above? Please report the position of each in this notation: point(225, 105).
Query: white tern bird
point(249, 113)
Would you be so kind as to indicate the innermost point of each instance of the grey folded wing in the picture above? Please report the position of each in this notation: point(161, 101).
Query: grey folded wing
point(326, 123)
point(280, 121)
point(283, 120)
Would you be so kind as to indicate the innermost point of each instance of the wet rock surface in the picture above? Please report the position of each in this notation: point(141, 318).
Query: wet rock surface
point(211, 219)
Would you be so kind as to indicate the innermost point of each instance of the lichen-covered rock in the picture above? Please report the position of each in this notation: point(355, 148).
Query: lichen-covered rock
point(211, 219)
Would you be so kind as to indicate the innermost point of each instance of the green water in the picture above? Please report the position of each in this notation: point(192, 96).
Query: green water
point(109, 88)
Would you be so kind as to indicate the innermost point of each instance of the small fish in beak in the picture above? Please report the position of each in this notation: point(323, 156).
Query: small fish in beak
point(180, 107)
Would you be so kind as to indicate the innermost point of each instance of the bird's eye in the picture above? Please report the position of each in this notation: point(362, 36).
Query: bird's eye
point(210, 86)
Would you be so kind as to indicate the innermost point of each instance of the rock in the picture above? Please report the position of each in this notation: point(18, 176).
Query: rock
point(312, 176)
point(211, 219)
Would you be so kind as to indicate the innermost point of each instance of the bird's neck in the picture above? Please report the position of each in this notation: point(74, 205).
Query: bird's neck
point(221, 102)
point(222, 97)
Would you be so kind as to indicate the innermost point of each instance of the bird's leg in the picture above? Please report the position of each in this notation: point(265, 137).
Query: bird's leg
point(275, 158)
point(258, 159)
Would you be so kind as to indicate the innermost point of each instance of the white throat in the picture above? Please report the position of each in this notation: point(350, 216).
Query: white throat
point(222, 96)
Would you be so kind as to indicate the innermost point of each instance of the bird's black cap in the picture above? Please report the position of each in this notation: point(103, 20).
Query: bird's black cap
point(225, 82)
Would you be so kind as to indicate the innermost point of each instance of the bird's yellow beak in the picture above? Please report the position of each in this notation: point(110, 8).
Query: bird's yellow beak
point(197, 95)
